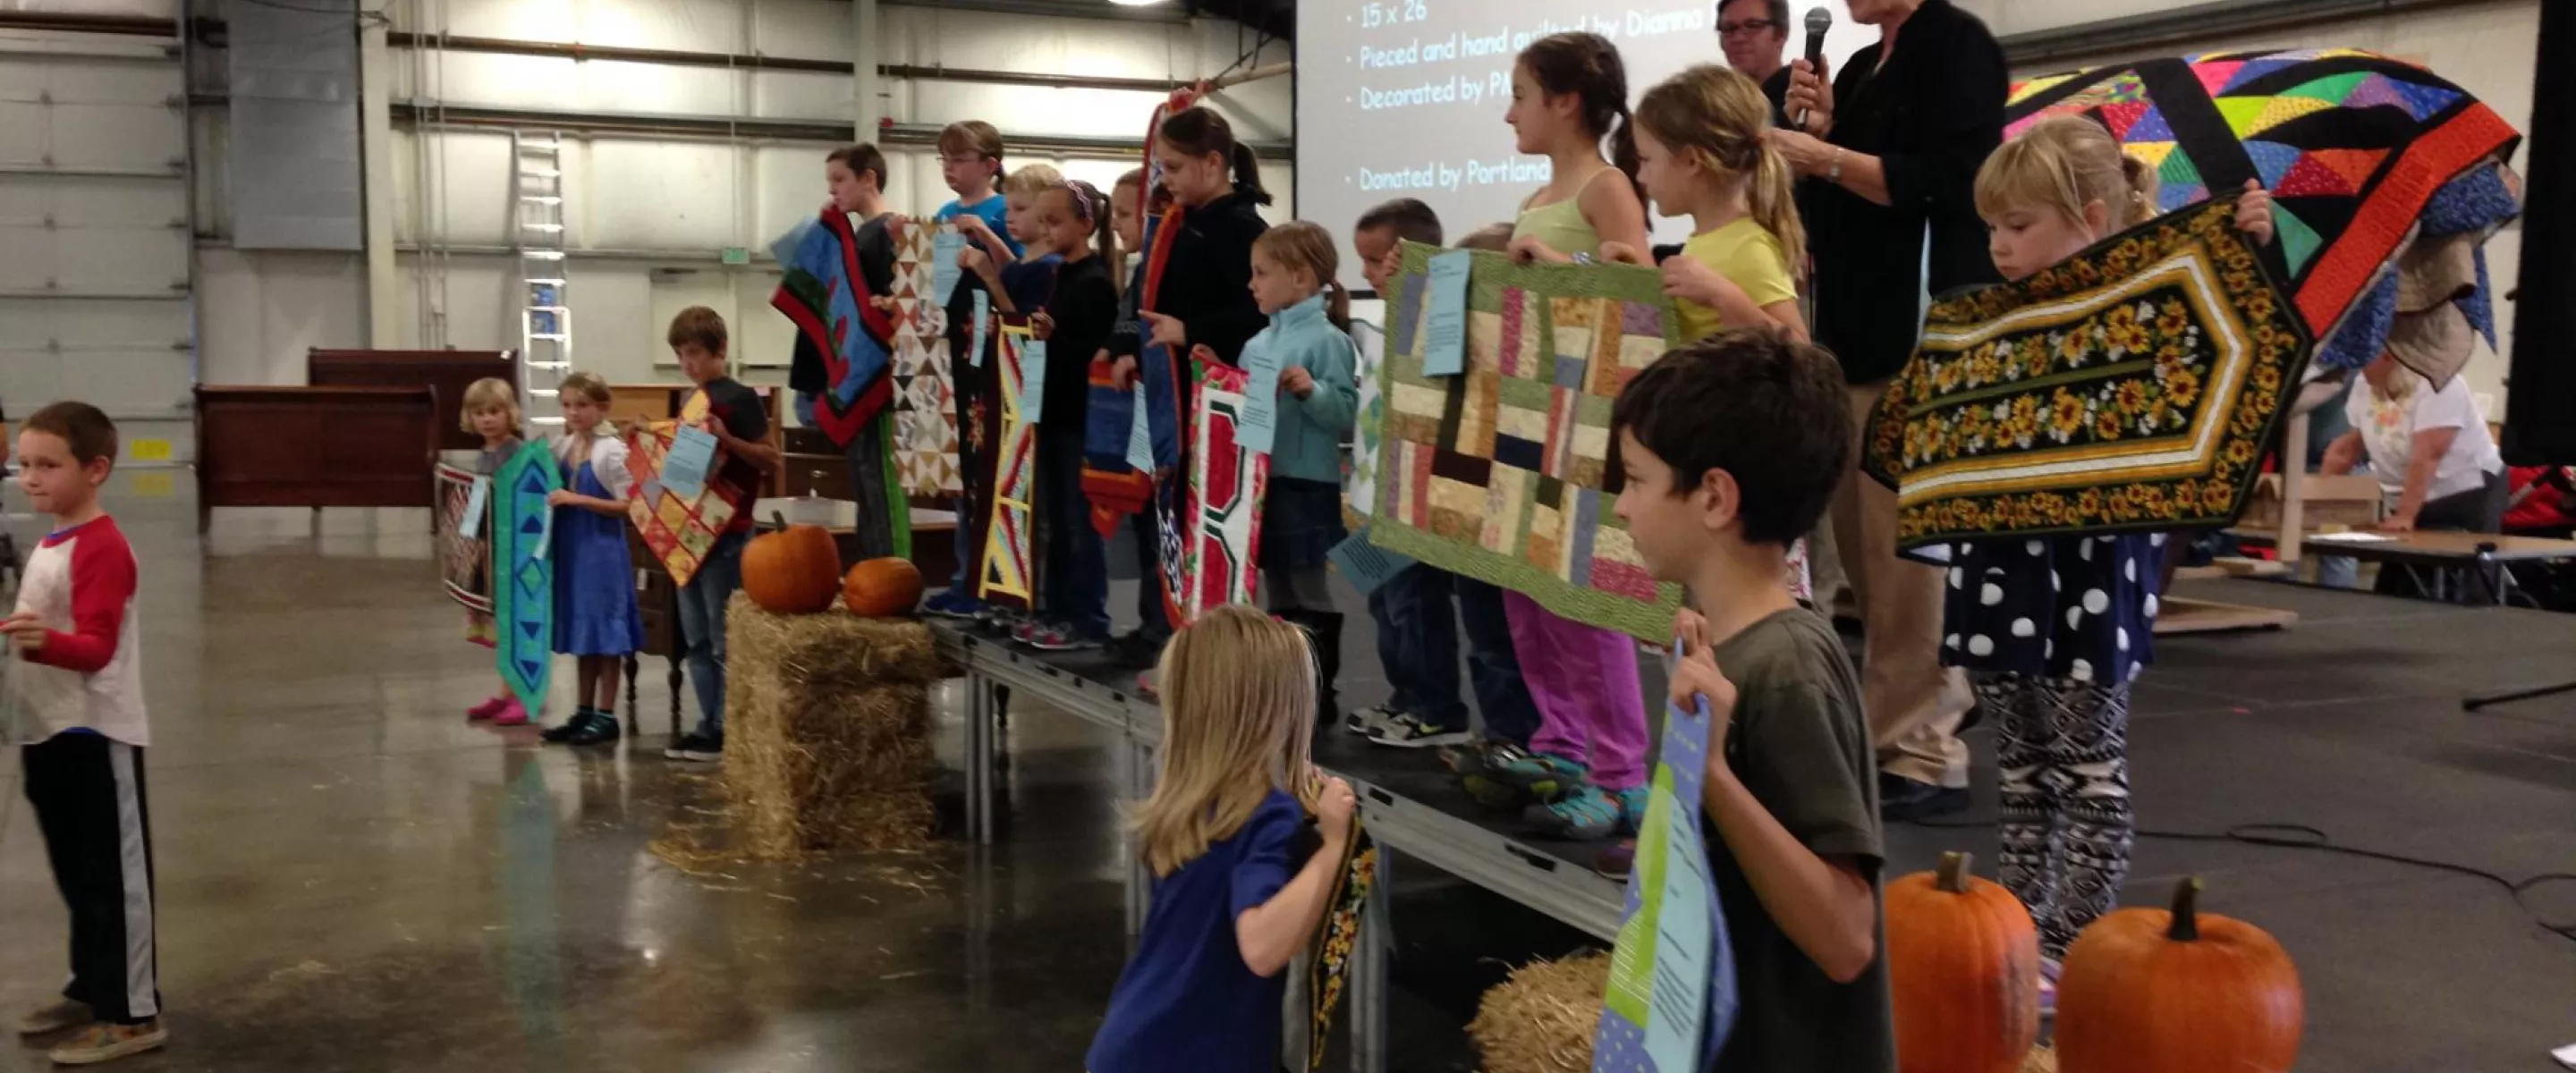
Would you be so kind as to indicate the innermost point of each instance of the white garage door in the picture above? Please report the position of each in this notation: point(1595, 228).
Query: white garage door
point(94, 235)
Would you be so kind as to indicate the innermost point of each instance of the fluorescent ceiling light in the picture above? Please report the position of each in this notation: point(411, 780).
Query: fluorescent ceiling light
point(1137, 3)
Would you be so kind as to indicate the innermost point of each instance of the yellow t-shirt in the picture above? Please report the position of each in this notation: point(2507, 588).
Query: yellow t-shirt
point(1744, 252)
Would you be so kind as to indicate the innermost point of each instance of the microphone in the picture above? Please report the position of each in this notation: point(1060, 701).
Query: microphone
point(1819, 20)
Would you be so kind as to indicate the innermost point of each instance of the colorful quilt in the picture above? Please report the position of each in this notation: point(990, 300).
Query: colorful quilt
point(1222, 509)
point(827, 296)
point(677, 530)
point(2351, 144)
point(925, 397)
point(2132, 388)
point(464, 562)
point(1503, 473)
point(523, 592)
point(1005, 575)
point(1328, 959)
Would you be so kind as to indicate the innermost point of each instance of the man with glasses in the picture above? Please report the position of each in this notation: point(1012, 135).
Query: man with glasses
point(1754, 34)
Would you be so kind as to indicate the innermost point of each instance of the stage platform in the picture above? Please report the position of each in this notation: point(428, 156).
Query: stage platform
point(2348, 721)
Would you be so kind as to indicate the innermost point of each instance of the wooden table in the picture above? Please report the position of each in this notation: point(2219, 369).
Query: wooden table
point(2440, 549)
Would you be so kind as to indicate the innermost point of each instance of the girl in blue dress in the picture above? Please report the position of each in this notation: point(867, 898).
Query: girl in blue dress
point(595, 617)
point(2053, 631)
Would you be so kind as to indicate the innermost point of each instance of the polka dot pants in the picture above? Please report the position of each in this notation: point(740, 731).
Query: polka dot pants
point(2079, 607)
point(2062, 753)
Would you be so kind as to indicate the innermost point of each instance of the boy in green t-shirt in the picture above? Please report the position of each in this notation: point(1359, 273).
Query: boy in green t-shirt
point(1731, 448)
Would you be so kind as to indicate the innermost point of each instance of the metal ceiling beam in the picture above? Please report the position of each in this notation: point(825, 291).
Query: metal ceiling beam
point(742, 128)
point(124, 25)
point(1062, 9)
point(753, 61)
point(2185, 27)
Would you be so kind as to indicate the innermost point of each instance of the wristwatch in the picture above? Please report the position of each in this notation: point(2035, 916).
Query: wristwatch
point(1834, 169)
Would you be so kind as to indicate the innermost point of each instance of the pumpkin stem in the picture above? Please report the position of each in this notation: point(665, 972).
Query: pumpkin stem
point(1951, 875)
point(778, 518)
point(2186, 911)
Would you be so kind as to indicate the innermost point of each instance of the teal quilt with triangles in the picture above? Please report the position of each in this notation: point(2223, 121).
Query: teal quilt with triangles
point(523, 580)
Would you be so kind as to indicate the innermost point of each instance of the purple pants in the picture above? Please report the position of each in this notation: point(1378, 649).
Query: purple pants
point(1583, 680)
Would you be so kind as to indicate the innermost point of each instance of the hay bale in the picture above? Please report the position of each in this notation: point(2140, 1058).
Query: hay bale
point(2040, 1060)
point(1541, 1018)
point(827, 731)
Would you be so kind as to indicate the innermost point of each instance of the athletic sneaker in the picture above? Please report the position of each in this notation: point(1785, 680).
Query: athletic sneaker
point(55, 1016)
point(1059, 637)
point(1410, 732)
point(1617, 860)
point(106, 1043)
point(953, 604)
point(601, 729)
point(697, 748)
point(561, 732)
point(1543, 776)
point(1366, 721)
point(1584, 814)
point(1482, 772)
point(1632, 807)
point(1026, 630)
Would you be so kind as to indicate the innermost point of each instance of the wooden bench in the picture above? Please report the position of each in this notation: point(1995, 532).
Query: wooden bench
point(448, 372)
point(314, 447)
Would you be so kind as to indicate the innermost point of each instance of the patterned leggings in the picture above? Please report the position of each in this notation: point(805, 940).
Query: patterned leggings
point(2063, 749)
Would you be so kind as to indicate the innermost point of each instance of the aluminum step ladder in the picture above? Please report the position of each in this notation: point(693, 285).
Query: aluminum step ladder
point(545, 321)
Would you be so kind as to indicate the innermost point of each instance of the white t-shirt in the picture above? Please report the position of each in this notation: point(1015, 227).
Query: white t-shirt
point(2388, 429)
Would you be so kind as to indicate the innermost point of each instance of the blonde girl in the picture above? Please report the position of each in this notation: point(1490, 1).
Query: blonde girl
point(1232, 900)
point(1294, 270)
point(2054, 631)
point(1701, 154)
point(596, 620)
point(492, 411)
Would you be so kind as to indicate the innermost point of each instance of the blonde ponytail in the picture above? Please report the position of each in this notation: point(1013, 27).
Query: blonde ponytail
point(1716, 116)
point(1772, 197)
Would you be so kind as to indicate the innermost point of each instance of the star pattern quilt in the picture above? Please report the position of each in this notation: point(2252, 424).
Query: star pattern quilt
point(1503, 472)
point(925, 395)
point(464, 563)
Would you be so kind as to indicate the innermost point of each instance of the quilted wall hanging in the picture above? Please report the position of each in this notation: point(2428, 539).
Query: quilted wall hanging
point(464, 562)
point(677, 529)
point(1503, 472)
point(925, 398)
point(1221, 508)
point(523, 583)
point(2351, 144)
point(2133, 387)
point(1005, 576)
point(823, 291)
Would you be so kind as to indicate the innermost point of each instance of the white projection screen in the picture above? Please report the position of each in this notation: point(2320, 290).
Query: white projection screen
point(1405, 98)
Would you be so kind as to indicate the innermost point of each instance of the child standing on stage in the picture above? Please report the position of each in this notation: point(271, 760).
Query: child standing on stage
point(78, 687)
point(1700, 153)
point(1072, 220)
point(1232, 900)
point(970, 160)
point(2054, 630)
point(1585, 768)
point(1730, 449)
point(1201, 307)
point(596, 621)
point(491, 411)
point(1294, 280)
point(1127, 210)
point(740, 425)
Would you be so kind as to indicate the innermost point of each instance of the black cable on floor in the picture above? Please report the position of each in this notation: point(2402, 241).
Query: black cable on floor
point(2302, 836)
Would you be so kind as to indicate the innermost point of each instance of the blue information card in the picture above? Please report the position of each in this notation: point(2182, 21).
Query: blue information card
point(1140, 436)
point(1033, 373)
point(1444, 327)
point(1257, 425)
point(692, 454)
point(983, 323)
point(945, 245)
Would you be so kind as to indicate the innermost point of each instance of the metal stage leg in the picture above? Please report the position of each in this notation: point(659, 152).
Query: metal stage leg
point(1376, 948)
point(979, 760)
point(1135, 769)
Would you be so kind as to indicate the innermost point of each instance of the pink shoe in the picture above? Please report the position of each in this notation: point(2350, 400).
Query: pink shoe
point(510, 715)
point(487, 709)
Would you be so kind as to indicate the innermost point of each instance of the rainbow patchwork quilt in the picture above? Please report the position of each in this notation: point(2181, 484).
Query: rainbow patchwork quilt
point(677, 529)
point(1004, 575)
point(2351, 144)
point(2132, 388)
point(925, 395)
point(1503, 472)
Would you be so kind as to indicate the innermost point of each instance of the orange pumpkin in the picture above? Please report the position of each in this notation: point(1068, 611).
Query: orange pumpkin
point(1963, 969)
point(792, 571)
point(882, 587)
point(2150, 991)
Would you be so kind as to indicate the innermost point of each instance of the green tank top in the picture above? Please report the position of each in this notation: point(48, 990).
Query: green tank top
point(1561, 225)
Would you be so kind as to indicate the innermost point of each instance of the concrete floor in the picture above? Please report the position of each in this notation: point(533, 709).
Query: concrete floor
point(354, 878)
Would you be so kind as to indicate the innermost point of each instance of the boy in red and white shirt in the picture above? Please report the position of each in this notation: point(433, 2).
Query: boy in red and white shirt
point(75, 690)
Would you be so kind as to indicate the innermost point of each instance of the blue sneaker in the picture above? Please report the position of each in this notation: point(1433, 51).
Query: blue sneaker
point(1585, 814)
point(1544, 777)
point(953, 604)
point(1632, 808)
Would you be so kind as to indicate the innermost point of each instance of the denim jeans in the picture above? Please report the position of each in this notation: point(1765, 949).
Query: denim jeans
point(1077, 564)
point(1417, 643)
point(702, 624)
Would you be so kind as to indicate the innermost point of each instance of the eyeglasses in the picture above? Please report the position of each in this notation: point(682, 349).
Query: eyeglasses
point(1748, 26)
point(965, 159)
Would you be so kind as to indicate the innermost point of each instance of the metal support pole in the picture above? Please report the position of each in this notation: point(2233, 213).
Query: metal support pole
point(866, 52)
point(1376, 950)
point(978, 763)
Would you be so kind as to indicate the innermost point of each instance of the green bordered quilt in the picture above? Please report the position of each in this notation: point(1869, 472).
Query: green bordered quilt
point(2133, 387)
point(1503, 472)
